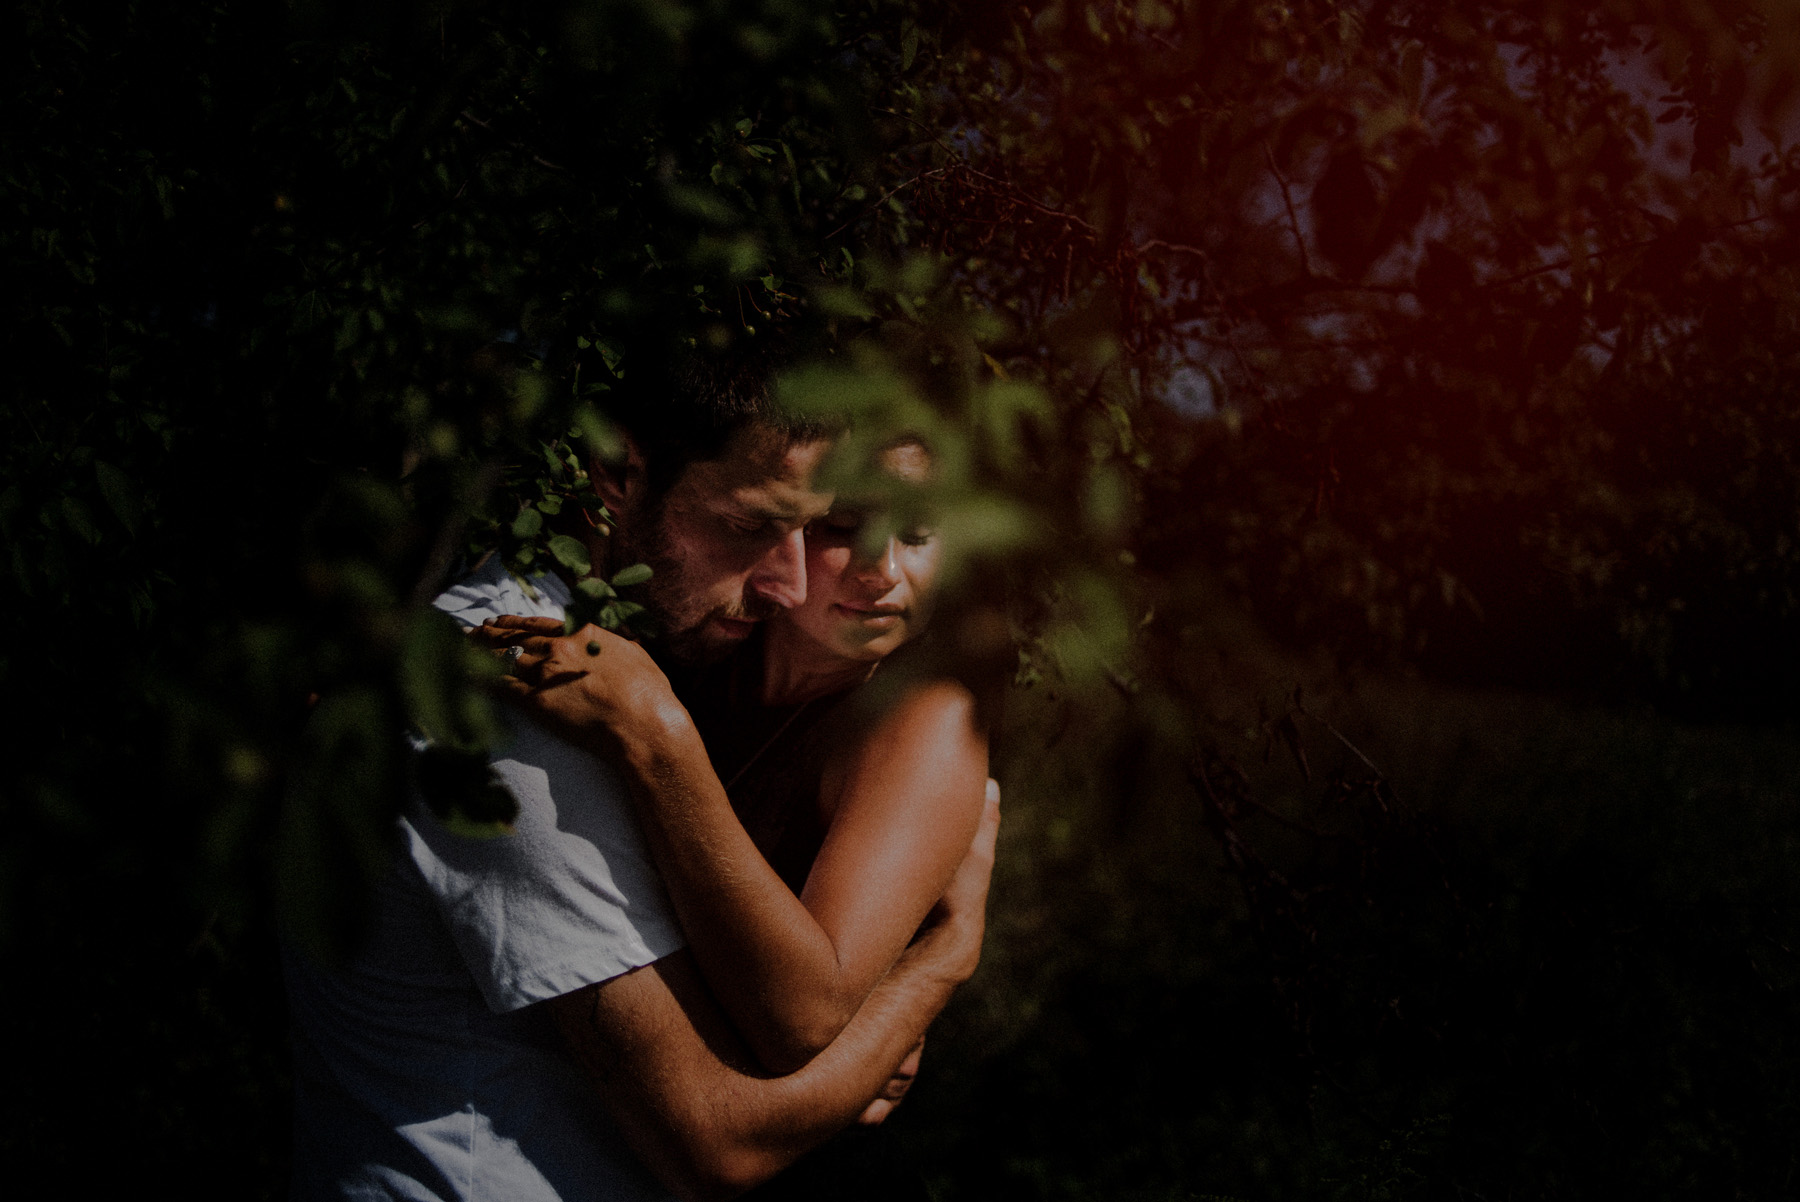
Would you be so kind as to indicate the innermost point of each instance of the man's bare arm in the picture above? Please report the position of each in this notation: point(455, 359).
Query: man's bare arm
point(689, 1096)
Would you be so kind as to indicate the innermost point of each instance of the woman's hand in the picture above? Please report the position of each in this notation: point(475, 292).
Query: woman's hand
point(965, 902)
point(894, 1092)
point(593, 687)
point(962, 911)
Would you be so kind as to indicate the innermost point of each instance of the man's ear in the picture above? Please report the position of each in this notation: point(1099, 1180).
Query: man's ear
point(622, 484)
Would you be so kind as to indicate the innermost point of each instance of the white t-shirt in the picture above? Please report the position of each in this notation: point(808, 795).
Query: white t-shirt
point(421, 1070)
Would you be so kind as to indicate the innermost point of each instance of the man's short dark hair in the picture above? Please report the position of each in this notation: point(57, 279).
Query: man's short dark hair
point(686, 408)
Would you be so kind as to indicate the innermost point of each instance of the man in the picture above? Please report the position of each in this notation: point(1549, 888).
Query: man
point(523, 1022)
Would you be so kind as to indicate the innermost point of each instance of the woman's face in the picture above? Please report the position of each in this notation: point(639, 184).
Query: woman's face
point(863, 601)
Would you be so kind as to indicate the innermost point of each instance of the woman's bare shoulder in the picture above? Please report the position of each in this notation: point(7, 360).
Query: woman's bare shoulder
point(921, 726)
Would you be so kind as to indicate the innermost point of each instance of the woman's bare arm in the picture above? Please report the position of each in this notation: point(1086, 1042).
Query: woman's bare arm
point(907, 799)
point(789, 971)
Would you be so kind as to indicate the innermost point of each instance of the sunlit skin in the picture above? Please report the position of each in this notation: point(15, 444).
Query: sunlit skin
point(862, 602)
point(726, 545)
point(903, 801)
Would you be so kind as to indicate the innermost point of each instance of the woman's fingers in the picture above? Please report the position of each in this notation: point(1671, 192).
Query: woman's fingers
point(909, 1068)
point(894, 1092)
point(523, 644)
point(536, 625)
point(537, 655)
point(965, 901)
point(988, 831)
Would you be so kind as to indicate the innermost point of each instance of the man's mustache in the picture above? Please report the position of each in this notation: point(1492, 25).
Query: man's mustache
point(752, 609)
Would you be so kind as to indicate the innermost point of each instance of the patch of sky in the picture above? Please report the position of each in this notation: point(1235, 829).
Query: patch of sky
point(1594, 356)
point(1639, 71)
point(966, 140)
point(1189, 390)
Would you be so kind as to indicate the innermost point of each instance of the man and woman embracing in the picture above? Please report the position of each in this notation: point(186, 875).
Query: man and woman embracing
point(726, 914)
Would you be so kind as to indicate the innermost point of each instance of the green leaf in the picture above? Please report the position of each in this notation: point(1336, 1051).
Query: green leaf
point(349, 332)
point(462, 826)
point(700, 203)
point(603, 439)
point(842, 302)
point(336, 819)
point(637, 573)
point(527, 524)
point(593, 588)
point(462, 790)
point(572, 554)
point(76, 515)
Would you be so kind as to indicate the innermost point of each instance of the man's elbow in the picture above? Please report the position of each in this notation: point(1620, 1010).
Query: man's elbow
point(791, 1041)
point(716, 1170)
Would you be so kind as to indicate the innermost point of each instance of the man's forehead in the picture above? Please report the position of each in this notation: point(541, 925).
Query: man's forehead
point(766, 469)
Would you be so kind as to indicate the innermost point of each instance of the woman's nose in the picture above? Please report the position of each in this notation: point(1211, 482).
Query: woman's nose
point(882, 568)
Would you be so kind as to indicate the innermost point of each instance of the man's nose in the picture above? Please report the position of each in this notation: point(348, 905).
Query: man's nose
point(780, 576)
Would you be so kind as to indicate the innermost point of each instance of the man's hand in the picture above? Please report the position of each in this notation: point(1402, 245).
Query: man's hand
point(592, 687)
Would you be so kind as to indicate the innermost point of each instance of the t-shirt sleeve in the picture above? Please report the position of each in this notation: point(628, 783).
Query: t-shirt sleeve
point(570, 898)
point(491, 591)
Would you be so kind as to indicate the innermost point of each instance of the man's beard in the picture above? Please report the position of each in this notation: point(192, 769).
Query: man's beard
point(683, 629)
point(699, 644)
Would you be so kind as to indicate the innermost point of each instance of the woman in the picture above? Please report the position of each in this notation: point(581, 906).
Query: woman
point(865, 811)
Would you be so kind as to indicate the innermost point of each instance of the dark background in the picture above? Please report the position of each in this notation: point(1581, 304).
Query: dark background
point(1376, 438)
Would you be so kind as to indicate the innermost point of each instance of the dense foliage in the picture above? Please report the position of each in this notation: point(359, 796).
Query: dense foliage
point(1456, 340)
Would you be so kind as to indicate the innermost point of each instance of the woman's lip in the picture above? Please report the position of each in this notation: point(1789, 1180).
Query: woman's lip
point(871, 611)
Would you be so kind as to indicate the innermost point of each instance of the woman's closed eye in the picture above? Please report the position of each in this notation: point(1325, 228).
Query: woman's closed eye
point(838, 525)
